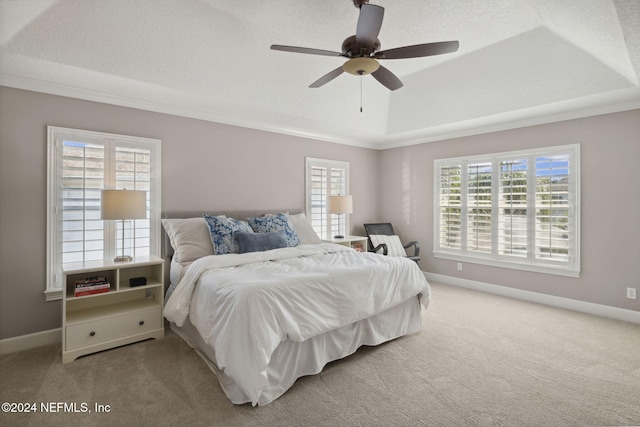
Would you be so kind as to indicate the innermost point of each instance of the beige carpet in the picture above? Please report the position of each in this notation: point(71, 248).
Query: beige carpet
point(480, 360)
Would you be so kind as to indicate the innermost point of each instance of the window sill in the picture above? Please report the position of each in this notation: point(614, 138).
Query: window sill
point(53, 294)
point(546, 269)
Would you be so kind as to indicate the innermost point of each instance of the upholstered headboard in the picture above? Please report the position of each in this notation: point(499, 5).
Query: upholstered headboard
point(167, 250)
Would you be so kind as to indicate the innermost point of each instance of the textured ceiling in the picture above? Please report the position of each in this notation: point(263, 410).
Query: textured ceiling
point(520, 62)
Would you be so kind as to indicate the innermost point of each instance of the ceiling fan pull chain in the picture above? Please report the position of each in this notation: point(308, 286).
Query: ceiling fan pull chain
point(361, 93)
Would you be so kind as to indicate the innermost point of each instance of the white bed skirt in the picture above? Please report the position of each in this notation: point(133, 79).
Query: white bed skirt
point(292, 360)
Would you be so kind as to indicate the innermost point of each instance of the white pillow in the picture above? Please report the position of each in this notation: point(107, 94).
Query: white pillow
point(394, 247)
point(305, 231)
point(189, 238)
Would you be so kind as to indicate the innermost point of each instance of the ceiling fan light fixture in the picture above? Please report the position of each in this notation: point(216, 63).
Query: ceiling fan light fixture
point(361, 66)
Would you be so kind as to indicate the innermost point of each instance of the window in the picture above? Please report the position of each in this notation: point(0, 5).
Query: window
point(517, 210)
point(326, 178)
point(81, 164)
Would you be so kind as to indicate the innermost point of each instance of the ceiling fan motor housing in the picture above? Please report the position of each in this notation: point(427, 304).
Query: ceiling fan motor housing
point(351, 48)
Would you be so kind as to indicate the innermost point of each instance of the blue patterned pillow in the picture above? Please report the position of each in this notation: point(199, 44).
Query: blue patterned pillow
point(222, 232)
point(279, 222)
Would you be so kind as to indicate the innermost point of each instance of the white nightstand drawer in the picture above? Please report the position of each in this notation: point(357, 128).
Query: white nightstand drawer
point(110, 328)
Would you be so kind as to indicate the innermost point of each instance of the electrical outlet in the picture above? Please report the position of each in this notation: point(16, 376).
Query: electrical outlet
point(459, 266)
point(631, 293)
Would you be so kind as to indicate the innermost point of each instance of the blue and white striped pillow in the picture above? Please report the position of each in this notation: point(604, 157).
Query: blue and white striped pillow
point(394, 247)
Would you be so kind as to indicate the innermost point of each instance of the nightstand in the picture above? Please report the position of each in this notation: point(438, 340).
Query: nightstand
point(100, 310)
point(358, 243)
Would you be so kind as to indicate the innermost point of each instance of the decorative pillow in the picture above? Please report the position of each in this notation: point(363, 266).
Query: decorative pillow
point(277, 222)
point(222, 232)
point(189, 238)
point(394, 247)
point(305, 231)
point(256, 242)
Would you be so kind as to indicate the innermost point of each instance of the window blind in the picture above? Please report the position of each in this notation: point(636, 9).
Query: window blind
point(518, 209)
point(450, 206)
point(326, 178)
point(83, 177)
point(133, 172)
point(479, 212)
point(80, 165)
point(512, 208)
point(318, 191)
point(553, 221)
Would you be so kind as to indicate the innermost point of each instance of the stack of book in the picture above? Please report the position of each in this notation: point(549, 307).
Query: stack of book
point(92, 285)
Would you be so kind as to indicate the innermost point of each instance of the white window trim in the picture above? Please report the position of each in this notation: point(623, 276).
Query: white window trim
point(55, 137)
point(570, 269)
point(310, 162)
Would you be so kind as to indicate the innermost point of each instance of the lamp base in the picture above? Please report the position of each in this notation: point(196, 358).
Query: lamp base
point(123, 258)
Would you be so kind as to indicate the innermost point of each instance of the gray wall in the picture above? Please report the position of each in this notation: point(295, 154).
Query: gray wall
point(214, 166)
point(610, 191)
point(205, 166)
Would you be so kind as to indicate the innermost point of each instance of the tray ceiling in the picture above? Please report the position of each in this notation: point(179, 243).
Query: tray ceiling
point(520, 62)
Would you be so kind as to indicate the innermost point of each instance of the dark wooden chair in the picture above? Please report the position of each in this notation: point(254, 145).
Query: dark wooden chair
point(385, 228)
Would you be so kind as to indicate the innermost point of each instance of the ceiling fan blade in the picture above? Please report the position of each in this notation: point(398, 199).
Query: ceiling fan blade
point(327, 77)
point(419, 50)
point(308, 50)
point(387, 78)
point(369, 24)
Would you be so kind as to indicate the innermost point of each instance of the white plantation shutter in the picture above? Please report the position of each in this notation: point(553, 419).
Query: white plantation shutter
point(338, 188)
point(512, 208)
point(479, 214)
point(81, 164)
point(518, 210)
point(83, 176)
point(553, 219)
point(133, 172)
point(325, 178)
point(450, 206)
point(317, 205)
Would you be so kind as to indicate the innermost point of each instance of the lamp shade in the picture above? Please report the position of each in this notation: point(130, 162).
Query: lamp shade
point(340, 204)
point(123, 204)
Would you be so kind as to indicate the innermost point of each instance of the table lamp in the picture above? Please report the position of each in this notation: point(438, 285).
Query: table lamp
point(123, 205)
point(340, 205)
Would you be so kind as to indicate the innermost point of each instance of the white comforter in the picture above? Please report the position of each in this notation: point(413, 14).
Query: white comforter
point(245, 305)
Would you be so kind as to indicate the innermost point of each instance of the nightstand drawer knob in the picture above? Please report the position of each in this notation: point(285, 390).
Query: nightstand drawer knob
point(141, 322)
point(92, 334)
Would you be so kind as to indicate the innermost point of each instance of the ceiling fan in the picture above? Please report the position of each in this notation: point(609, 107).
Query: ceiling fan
point(363, 50)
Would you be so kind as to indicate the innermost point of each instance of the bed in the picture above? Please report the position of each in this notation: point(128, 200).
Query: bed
point(266, 304)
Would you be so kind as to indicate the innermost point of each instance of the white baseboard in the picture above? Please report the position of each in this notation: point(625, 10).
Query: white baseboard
point(29, 341)
point(54, 336)
point(569, 304)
